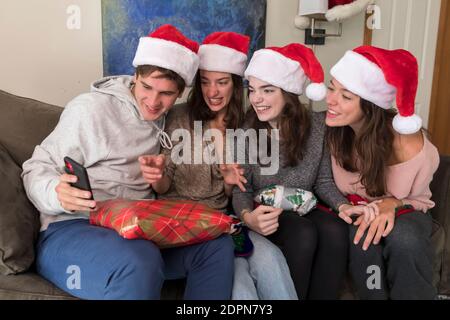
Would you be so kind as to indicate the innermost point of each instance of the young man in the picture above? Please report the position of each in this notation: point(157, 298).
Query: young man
point(107, 130)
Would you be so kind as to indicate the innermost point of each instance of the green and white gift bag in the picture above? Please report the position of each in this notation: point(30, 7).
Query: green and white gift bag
point(292, 199)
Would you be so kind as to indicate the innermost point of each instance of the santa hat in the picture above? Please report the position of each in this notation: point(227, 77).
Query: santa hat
point(333, 10)
point(343, 9)
point(380, 76)
point(288, 68)
point(224, 52)
point(168, 48)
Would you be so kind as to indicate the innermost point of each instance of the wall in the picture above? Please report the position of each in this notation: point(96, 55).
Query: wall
point(47, 61)
point(40, 57)
point(412, 25)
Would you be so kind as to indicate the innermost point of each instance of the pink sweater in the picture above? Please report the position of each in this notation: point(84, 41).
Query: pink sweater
point(408, 181)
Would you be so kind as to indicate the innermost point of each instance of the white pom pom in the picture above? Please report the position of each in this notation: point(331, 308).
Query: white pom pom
point(407, 125)
point(302, 22)
point(316, 91)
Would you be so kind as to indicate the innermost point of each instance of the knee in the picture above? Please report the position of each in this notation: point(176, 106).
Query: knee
point(335, 233)
point(138, 274)
point(405, 239)
point(336, 230)
point(223, 245)
point(223, 248)
point(241, 270)
point(265, 252)
point(302, 232)
point(141, 259)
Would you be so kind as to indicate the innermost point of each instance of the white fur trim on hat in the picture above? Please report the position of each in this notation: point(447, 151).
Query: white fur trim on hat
point(364, 78)
point(316, 91)
point(274, 68)
point(214, 57)
point(167, 54)
point(407, 125)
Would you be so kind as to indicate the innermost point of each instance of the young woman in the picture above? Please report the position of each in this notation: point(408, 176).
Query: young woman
point(215, 103)
point(386, 159)
point(312, 244)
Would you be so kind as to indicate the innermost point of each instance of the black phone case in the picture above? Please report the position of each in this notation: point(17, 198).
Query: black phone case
point(73, 167)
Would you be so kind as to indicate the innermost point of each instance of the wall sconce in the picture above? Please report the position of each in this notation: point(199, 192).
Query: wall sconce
point(316, 36)
point(311, 11)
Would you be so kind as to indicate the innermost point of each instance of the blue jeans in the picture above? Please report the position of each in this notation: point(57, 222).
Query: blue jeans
point(263, 275)
point(92, 262)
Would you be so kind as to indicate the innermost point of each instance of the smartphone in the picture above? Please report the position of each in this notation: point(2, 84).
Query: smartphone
point(73, 167)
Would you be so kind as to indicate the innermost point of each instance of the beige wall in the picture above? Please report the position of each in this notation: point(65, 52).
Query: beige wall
point(412, 25)
point(47, 61)
point(40, 57)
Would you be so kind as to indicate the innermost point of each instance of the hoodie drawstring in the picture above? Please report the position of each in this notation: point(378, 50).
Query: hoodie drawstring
point(163, 137)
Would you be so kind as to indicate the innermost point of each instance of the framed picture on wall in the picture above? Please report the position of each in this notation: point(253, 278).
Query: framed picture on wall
point(125, 21)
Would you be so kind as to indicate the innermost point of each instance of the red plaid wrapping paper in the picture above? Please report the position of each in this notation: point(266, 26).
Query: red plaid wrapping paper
point(168, 223)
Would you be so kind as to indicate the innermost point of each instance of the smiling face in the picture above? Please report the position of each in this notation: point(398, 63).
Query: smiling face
point(155, 94)
point(267, 100)
point(217, 89)
point(344, 107)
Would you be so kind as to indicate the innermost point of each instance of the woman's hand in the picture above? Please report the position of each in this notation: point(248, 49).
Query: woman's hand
point(233, 174)
point(381, 226)
point(370, 211)
point(152, 167)
point(263, 219)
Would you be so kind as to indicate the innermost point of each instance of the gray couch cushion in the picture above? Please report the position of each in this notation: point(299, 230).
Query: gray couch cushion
point(29, 286)
point(24, 123)
point(19, 220)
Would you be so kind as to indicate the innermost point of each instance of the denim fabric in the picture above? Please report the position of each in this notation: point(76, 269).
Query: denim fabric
point(264, 274)
point(92, 262)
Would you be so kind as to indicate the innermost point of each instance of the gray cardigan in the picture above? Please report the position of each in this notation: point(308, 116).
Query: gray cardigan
point(312, 173)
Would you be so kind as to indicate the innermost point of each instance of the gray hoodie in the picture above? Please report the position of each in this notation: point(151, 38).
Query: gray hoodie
point(104, 131)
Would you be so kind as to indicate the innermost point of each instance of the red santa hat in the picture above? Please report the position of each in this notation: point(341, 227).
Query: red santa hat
point(288, 68)
point(380, 76)
point(343, 9)
point(168, 48)
point(224, 52)
point(334, 10)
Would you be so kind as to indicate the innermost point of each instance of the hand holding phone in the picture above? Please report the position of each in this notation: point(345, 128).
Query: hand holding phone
point(76, 169)
point(74, 191)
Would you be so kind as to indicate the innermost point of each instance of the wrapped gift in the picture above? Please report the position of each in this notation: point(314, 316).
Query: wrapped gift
point(168, 223)
point(293, 199)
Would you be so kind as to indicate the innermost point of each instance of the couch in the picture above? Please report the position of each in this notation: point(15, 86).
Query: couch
point(24, 123)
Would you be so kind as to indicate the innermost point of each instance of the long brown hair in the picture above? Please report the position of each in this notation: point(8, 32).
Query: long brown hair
point(294, 124)
point(372, 147)
point(199, 110)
